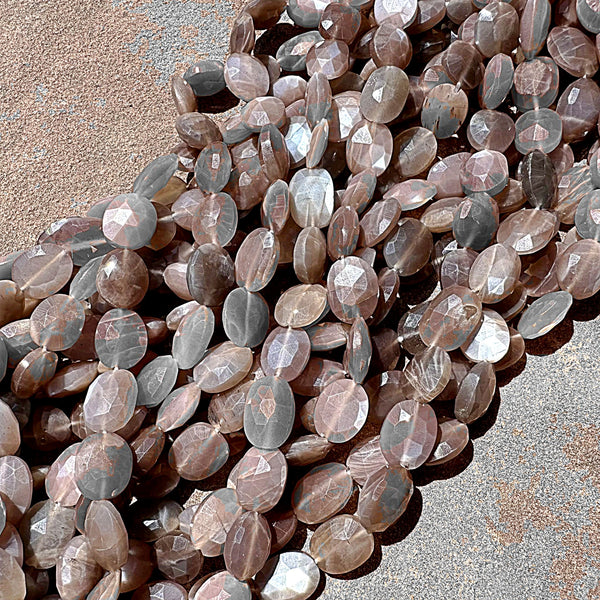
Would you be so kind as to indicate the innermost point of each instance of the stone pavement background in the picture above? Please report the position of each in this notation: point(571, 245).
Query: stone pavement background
point(84, 105)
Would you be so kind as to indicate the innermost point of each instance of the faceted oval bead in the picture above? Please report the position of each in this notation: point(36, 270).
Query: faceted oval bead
point(538, 179)
point(246, 77)
point(12, 578)
point(297, 140)
point(322, 493)
point(121, 338)
point(215, 220)
point(107, 535)
point(491, 341)
point(428, 373)
point(341, 410)
point(289, 89)
point(285, 353)
point(384, 497)
point(360, 190)
point(588, 15)
point(344, 115)
point(369, 146)
point(486, 171)
point(178, 407)
point(42, 270)
point(491, 130)
point(275, 209)
point(83, 285)
point(182, 94)
point(177, 559)
point(210, 275)
point(155, 176)
point(528, 231)
point(476, 221)
point(578, 107)
point(257, 259)
point(413, 193)
point(475, 393)
point(341, 545)
point(289, 575)
point(269, 413)
point(272, 150)
point(291, 55)
point(359, 349)
point(414, 151)
point(205, 77)
point(408, 434)
point(221, 583)
point(10, 440)
point(535, 20)
point(573, 185)
point(366, 459)
point(391, 46)
point(453, 438)
point(577, 269)
point(456, 266)
point(16, 483)
point(541, 129)
point(572, 51)
point(33, 372)
point(444, 110)
point(402, 13)
point(12, 302)
point(147, 447)
point(587, 216)
point(261, 478)
point(378, 222)
point(311, 197)
point(306, 450)
point(301, 305)
point(226, 410)
point(439, 216)
point(494, 273)
point(247, 545)
point(352, 289)
point(408, 248)
point(223, 367)
point(103, 466)
point(198, 452)
point(462, 63)
point(45, 530)
point(110, 401)
point(544, 314)
point(129, 221)
point(535, 84)
point(156, 380)
point(263, 111)
point(497, 29)
point(193, 337)
point(159, 590)
point(77, 571)
point(60, 481)
point(245, 317)
point(497, 81)
point(316, 375)
point(343, 231)
point(329, 57)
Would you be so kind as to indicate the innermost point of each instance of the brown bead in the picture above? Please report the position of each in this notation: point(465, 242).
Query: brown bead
point(369, 146)
point(246, 76)
point(107, 535)
point(414, 151)
point(247, 545)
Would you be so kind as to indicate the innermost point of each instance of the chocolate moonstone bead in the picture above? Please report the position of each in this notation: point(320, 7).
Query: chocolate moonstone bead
point(193, 337)
point(462, 63)
point(129, 221)
point(317, 374)
point(245, 317)
point(177, 559)
point(414, 151)
point(408, 248)
point(45, 530)
point(345, 113)
point(428, 373)
point(578, 269)
point(205, 77)
point(60, 483)
point(198, 452)
point(572, 51)
point(414, 193)
point(223, 367)
point(475, 393)
point(290, 575)
point(269, 413)
point(285, 353)
point(301, 305)
point(384, 94)
point(306, 450)
point(311, 197)
point(476, 221)
point(156, 380)
point(453, 438)
point(247, 545)
point(329, 57)
point(535, 84)
point(485, 171)
point(213, 520)
point(159, 590)
point(341, 410)
point(357, 356)
point(369, 146)
point(246, 77)
point(390, 45)
point(322, 493)
point(497, 81)
point(341, 545)
point(573, 185)
point(343, 232)
point(341, 22)
point(384, 497)
point(535, 21)
point(352, 289)
point(291, 55)
point(456, 266)
point(587, 216)
point(444, 110)
point(497, 29)
point(77, 571)
point(257, 259)
point(210, 274)
point(408, 434)
point(121, 338)
point(490, 130)
point(540, 128)
point(538, 178)
point(494, 273)
point(491, 341)
point(578, 108)
point(366, 459)
point(42, 270)
point(402, 13)
point(16, 483)
point(34, 371)
point(219, 584)
point(528, 231)
point(544, 314)
point(107, 535)
point(103, 466)
point(213, 167)
point(12, 578)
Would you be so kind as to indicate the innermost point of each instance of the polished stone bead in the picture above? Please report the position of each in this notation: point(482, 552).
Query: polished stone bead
point(129, 221)
point(210, 274)
point(242, 36)
point(357, 356)
point(301, 305)
point(535, 84)
point(344, 114)
point(257, 259)
point(340, 22)
point(306, 450)
point(60, 483)
point(213, 520)
point(291, 55)
point(192, 337)
point(288, 576)
point(534, 24)
point(341, 410)
point(414, 151)
point(329, 57)
point(221, 584)
point(16, 486)
point(577, 269)
point(408, 434)
point(341, 545)
point(365, 459)
point(539, 180)
point(528, 231)
point(384, 497)
point(491, 341)
point(205, 77)
point(456, 266)
point(261, 112)
point(297, 139)
point(161, 590)
point(369, 146)
point(178, 407)
point(544, 314)
point(485, 171)
point(453, 438)
point(39, 272)
point(573, 51)
point(497, 29)
point(245, 317)
point(107, 535)
point(391, 46)
point(475, 393)
point(318, 144)
point(462, 63)
point(311, 197)
point(77, 571)
point(275, 209)
point(444, 110)
point(121, 338)
point(317, 374)
point(408, 248)
point(198, 452)
point(246, 77)
point(538, 129)
point(573, 185)
point(12, 578)
point(177, 559)
point(247, 545)
point(439, 216)
point(497, 81)
point(289, 89)
point(402, 13)
point(352, 289)
point(494, 273)
point(10, 440)
point(213, 167)
point(587, 216)
point(122, 278)
point(578, 108)
point(147, 447)
point(310, 253)
point(156, 380)
point(360, 190)
point(33, 372)
point(412, 193)
point(285, 353)
point(343, 232)
point(476, 221)
point(491, 130)
point(428, 373)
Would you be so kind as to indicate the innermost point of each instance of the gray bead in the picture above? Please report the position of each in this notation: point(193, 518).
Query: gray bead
point(359, 349)
point(587, 216)
point(539, 129)
point(539, 180)
point(155, 175)
point(544, 314)
point(288, 576)
point(291, 61)
point(83, 285)
point(588, 17)
point(475, 222)
point(3, 361)
point(497, 81)
point(156, 380)
point(302, 17)
point(206, 77)
point(245, 317)
point(269, 413)
point(213, 167)
point(121, 338)
point(192, 337)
